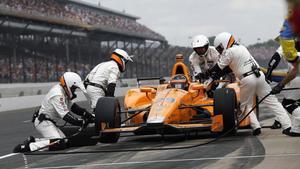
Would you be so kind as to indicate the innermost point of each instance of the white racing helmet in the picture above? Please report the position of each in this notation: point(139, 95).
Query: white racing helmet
point(121, 57)
point(223, 41)
point(200, 44)
point(70, 81)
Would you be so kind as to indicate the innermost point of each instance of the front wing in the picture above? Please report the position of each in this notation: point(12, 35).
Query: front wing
point(160, 128)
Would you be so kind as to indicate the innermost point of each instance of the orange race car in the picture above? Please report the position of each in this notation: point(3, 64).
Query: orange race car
point(179, 106)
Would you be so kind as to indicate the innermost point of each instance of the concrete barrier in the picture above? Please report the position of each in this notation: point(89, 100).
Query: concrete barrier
point(25, 102)
point(31, 89)
point(24, 89)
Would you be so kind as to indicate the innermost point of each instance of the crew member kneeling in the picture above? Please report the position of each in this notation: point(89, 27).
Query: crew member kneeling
point(56, 105)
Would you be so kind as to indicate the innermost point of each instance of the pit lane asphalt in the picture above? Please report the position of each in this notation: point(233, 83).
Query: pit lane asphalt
point(269, 150)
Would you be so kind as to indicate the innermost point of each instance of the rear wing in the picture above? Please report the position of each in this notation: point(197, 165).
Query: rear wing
point(161, 80)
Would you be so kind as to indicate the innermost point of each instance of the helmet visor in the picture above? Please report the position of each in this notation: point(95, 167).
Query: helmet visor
point(201, 50)
point(220, 49)
point(179, 81)
point(124, 60)
point(179, 85)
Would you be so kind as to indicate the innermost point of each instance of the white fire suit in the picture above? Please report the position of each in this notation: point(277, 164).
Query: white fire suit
point(293, 95)
point(201, 64)
point(103, 74)
point(55, 106)
point(240, 61)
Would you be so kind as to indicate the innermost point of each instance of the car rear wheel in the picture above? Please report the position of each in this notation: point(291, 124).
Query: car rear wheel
point(225, 103)
point(107, 116)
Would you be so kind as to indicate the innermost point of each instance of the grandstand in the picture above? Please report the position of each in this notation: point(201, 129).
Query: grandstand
point(41, 39)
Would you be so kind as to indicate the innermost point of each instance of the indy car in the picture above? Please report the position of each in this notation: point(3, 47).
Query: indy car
point(178, 106)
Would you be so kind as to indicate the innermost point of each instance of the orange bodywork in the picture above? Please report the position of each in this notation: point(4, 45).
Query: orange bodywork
point(170, 107)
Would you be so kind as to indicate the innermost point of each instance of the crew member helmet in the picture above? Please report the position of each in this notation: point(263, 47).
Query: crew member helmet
point(200, 45)
point(121, 57)
point(223, 41)
point(70, 81)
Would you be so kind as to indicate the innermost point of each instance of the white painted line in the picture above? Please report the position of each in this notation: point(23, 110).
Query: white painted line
point(26, 121)
point(8, 155)
point(169, 161)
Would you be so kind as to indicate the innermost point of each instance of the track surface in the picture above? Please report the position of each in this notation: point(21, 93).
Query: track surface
point(269, 150)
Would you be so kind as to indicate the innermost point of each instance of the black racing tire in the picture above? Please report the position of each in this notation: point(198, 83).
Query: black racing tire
point(107, 111)
point(225, 103)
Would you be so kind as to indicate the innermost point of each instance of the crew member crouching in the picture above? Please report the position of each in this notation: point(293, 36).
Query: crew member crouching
point(57, 105)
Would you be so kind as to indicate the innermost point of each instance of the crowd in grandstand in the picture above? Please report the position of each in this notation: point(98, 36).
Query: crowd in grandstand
point(27, 69)
point(43, 71)
point(77, 13)
point(4, 70)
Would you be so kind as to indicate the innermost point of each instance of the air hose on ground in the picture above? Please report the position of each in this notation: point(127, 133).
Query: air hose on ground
point(158, 148)
point(80, 130)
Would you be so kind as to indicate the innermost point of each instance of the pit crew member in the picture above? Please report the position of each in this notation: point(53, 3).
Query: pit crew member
point(291, 101)
point(56, 105)
point(203, 57)
point(252, 80)
point(101, 81)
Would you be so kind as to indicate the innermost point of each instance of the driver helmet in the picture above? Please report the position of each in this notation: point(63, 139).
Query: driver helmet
point(70, 81)
point(200, 45)
point(179, 82)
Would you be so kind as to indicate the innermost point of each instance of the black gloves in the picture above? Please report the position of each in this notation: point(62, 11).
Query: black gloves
point(277, 89)
point(73, 120)
point(215, 72)
point(78, 110)
point(111, 89)
point(211, 91)
point(86, 119)
point(269, 75)
point(83, 113)
point(201, 75)
point(89, 117)
point(273, 63)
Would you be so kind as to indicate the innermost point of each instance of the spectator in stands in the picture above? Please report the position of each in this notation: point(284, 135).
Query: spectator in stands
point(76, 13)
point(101, 81)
